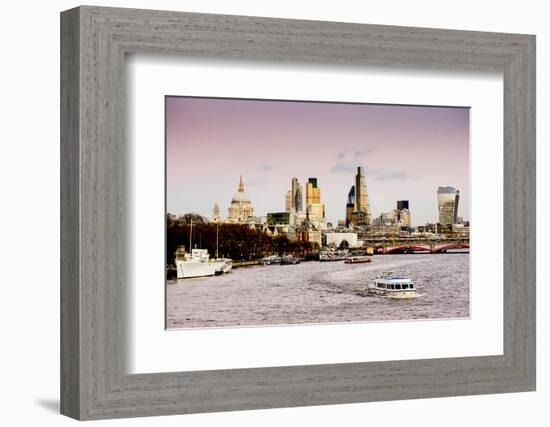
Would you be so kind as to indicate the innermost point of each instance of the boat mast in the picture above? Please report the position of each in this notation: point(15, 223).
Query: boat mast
point(217, 247)
point(190, 234)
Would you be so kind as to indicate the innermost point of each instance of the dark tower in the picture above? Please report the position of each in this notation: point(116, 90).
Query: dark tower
point(350, 205)
point(402, 204)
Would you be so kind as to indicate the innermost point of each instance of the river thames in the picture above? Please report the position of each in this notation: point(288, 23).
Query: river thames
point(320, 292)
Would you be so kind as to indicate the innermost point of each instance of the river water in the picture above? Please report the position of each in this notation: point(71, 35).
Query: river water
point(320, 292)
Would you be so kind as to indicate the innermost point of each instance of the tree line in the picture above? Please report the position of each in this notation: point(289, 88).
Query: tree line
point(236, 241)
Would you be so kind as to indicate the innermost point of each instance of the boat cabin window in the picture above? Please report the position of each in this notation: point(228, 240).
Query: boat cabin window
point(381, 285)
point(398, 287)
point(405, 286)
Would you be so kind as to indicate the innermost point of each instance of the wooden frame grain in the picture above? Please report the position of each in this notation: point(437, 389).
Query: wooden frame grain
point(94, 41)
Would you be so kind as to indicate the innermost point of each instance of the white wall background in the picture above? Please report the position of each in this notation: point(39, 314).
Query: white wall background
point(29, 212)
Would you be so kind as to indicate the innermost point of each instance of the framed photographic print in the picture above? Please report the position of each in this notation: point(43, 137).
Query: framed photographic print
point(346, 211)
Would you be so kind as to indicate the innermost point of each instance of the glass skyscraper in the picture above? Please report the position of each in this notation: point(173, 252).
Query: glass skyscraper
point(350, 205)
point(296, 198)
point(447, 205)
point(361, 214)
point(402, 204)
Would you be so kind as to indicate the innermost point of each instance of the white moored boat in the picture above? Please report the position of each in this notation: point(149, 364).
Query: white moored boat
point(222, 265)
point(196, 264)
point(389, 285)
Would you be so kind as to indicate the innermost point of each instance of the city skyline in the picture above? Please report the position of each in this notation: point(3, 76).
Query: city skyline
point(407, 152)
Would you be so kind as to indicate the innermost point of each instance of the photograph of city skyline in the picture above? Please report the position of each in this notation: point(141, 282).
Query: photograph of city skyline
point(300, 212)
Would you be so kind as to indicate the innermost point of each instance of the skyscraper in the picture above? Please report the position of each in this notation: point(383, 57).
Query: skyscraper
point(402, 204)
point(296, 199)
point(361, 213)
point(288, 201)
point(313, 193)
point(314, 207)
point(402, 212)
point(447, 205)
point(350, 205)
point(403, 217)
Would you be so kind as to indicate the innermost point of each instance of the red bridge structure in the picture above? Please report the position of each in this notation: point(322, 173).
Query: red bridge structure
point(432, 248)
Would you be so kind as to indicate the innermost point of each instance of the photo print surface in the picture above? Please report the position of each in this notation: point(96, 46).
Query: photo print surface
point(296, 212)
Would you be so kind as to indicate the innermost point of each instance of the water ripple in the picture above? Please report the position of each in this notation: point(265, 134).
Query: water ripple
point(314, 292)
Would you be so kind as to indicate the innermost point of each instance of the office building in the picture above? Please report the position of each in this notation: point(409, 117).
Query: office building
point(294, 197)
point(402, 213)
point(313, 192)
point(341, 240)
point(278, 218)
point(447, 205)
point(361, 213)
point(314, 208)
point(288, 201)
point(350, 205)
point(402, 204)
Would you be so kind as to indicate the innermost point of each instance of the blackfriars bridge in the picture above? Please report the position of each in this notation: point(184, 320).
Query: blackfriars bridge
point(396, 246)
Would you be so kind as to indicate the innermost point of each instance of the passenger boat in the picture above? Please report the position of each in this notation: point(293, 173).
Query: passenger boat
point(329, 257)
point(272, 259)
point(333, 256)
point(357, 259)
point(389, 285)
point(290, 259)
point(222, 265)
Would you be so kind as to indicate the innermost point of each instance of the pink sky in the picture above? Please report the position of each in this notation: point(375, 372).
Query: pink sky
point(407, 152)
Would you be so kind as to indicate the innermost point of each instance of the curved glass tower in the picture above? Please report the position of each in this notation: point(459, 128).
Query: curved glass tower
point(447, 205)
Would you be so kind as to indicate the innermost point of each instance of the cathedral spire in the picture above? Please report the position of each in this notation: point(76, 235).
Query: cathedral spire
point(216, 217)
point(240, 210)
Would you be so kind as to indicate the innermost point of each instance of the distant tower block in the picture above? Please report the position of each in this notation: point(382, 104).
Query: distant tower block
point(288, 201)
point(402, 204)
point(405, 217)
point(350, 205)
point(216, 217)
point(314, 207)
point(296, 202)
point(298, 199)
point(313, 193)
point(403, 213)
point(361, 213)
point(447, 205)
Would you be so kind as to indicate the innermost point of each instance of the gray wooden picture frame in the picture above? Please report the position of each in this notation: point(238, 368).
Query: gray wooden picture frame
point(94, 381)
